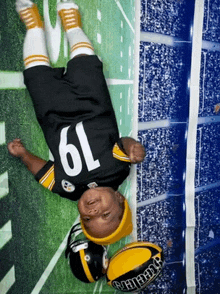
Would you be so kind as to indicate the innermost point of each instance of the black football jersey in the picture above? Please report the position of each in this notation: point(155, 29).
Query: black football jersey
point(75, 112)
point(84, 158)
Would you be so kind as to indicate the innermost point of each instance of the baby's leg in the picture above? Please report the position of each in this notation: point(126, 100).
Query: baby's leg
point(70, 17)
point(34, 50)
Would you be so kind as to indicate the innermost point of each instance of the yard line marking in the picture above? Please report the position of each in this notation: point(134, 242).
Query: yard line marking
point(11, 80)
point(4, 190)
point(7, 281)
point(129, 51)
point(2, 133)
point(99, 15)
point(119, 82)
point(53, 262)
point(129, 98)
point(99, 38)
point(5, 234)
point(191, 144)
point(125, 16)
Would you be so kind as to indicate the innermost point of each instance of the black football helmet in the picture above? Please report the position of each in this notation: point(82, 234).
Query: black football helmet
point(88, 261)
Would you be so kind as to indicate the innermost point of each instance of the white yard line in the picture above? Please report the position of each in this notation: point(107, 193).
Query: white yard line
point(11, 80)
point(119, 82)
point(7, 281)
point(52, 263)
point(191, 144)
point(4, 184)
point(2, 133)
point(5, 234)
point(125, 16)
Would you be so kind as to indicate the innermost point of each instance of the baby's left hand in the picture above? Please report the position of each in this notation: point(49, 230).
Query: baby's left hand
point(137, 152)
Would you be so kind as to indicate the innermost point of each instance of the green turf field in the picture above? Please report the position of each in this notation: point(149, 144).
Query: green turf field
point(34, 222)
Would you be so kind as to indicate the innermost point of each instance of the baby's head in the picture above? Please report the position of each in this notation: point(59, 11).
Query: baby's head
point(105, 215)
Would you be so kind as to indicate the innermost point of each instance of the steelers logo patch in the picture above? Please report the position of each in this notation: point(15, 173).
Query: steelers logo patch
point(67, 186)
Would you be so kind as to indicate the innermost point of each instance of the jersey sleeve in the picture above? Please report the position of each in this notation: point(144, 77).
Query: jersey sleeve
point(46, 176)
point(119, 152)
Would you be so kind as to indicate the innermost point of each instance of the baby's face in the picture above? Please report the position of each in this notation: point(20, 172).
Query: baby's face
point(101, 211)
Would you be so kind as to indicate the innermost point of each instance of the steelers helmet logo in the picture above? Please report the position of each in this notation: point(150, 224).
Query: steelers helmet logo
point(86, 259)
point(67, 186)
point(135, 266)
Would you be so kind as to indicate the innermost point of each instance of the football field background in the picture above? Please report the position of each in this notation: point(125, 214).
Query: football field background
point(34, 223)
point(177, 204)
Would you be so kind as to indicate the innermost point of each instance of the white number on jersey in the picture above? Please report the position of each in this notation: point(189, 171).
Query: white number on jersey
point(65, 149)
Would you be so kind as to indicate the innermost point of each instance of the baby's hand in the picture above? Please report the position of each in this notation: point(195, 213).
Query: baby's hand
point(137, 153)
point(16, 148)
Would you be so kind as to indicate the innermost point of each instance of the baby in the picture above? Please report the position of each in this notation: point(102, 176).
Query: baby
point(75, 112)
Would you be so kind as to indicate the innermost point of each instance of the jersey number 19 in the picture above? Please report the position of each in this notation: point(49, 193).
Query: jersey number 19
point(71, 149)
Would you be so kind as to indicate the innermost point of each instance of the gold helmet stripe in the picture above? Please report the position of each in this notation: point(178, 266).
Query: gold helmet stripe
point(85, 266)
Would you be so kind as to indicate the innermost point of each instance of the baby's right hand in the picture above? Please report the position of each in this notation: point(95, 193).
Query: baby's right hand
point(16, 148)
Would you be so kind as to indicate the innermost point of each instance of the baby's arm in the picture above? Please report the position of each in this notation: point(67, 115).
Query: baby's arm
point(32, 162)
point(133, 149)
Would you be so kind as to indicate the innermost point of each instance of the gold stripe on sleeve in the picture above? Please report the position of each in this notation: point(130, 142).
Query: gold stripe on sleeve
point(119, 154)
point(48, 179)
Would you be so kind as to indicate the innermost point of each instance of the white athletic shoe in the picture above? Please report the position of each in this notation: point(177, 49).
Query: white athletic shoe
point(23, 4)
